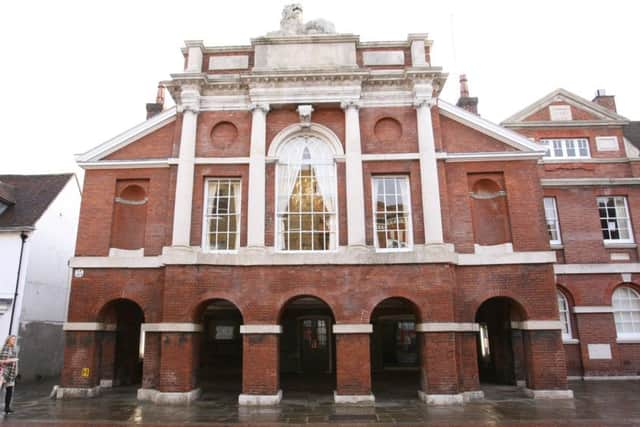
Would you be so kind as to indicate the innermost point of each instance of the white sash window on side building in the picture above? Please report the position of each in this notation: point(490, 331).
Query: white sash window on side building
point(566, 148)
point(306, 196)
point(553, 224)
point(221, 230)
point(614, 219)
point(392, 213)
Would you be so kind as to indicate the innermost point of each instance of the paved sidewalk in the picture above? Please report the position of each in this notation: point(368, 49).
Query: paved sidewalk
point(597, 403)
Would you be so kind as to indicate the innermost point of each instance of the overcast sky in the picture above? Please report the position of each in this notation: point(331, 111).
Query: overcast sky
point(76, 73)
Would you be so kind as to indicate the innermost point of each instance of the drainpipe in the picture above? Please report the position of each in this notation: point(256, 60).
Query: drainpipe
point(23, 236)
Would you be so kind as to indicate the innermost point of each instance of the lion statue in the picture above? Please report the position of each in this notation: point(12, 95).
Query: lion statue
point(292, 23)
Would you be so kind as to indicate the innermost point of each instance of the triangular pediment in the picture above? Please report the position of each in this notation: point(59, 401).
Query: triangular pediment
point(130, 136)
point(583, 111)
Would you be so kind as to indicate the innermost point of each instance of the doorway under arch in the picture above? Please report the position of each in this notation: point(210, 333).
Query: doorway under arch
point(307, 346)
point(220, 364)
point(501, 351)
point(395, 348)
point(122, 346)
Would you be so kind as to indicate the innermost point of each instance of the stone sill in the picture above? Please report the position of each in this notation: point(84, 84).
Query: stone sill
point(570, 341)
point(628, 340)
point(620, 245)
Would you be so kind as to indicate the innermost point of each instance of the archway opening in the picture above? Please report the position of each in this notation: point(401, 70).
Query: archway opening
point(122, 349)
point(220, 364)
point(395, 348)
point(501, 350)
point(307, 346)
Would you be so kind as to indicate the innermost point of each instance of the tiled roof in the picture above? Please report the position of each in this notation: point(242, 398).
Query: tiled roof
point(632, 133)
point(31, 195)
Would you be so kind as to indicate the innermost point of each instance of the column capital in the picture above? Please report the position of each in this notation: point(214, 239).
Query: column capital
point(424, 102)
point(189, 99)
point(346, 105)
point(259, 106)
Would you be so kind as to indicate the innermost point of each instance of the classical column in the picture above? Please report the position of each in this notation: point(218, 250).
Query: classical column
point(355, 190)
point(260, 365)
point(190, 106)
point(353, 360)
point(428, 174)
point(256, 218)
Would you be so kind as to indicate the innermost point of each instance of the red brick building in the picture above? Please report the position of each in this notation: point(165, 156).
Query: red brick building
point(312, 214)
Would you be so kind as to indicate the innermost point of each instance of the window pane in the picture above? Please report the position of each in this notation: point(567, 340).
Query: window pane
point(222, 214)
point(614, 220)
point(391, 212)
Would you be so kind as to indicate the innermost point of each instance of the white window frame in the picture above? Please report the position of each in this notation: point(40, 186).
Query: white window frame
point(557, 241)
point(628, 219)
point(376, 244)
point(336, 210)
point(205, 209)
point(617, 311)
point(565, 315)
point(551, 154)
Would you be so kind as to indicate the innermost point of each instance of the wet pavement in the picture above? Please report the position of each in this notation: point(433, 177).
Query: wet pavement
point(596, 403)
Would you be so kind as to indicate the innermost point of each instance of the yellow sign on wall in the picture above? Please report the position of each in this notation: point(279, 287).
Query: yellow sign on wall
point(85, 372)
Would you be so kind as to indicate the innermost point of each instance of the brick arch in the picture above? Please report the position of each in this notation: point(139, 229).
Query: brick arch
point(101, 308)
point(475, 306)
point(567, 294)
point(286, 299)
point(197, 308)
point(417, 311)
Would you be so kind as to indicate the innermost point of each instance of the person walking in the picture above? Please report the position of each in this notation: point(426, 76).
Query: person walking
point(9, 365)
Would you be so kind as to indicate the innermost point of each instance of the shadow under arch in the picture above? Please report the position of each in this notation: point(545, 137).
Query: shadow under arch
point(121, 346)
point(501, 349)
point(307, 345)
point(220, 358)
point(395, 348)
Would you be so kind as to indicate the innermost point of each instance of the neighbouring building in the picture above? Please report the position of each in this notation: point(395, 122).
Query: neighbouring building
point(38, 225)
point(311, 215)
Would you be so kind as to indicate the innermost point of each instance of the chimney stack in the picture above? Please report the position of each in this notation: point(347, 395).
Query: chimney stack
point(465, 101)
point(604, 100)
point(156, 107)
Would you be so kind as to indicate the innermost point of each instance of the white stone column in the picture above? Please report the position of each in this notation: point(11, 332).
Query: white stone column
point(354, 184)
point(257, 190)
point(190, 106)
point(431, 212)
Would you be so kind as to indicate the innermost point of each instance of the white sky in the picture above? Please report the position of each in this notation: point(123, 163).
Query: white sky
point(76, 73)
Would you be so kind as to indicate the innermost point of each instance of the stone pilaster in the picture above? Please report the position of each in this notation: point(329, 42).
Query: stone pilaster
point(354, 186)
point(256, 213)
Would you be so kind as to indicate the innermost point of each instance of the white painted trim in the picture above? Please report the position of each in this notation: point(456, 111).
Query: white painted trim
point(168, 398)
point(172, 327)
point(549, 394)
point(125, 164)
point(221, 160)
point(441, 399)
point(88, 326)
point(570, 341)
point(447, 327)
point(586, 182)
point(128, 136)
point(260, 329)
point(611, 268)
point(115, 262)
point(559, 124)
point(489, 157)
point(260, 399)
point(582, 309)
point(611, 378)
point(355, 328)
point(353, 398)
point(314, 129)
point(486, 127)
point(538, 257)
point(537, 325)
point(390, 157)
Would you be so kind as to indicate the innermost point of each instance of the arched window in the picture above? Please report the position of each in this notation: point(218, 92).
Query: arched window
point(565, 317)
point(626, 311)
point(306, 195)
